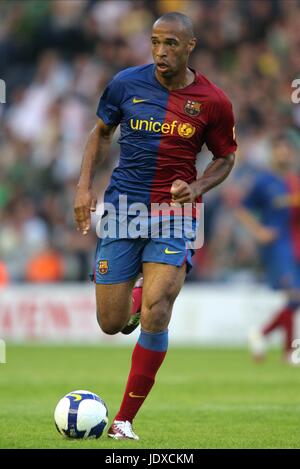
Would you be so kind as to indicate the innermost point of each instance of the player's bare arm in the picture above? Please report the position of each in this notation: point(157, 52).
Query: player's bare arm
point(261, 233)
point(95, 151)
point(216, 172)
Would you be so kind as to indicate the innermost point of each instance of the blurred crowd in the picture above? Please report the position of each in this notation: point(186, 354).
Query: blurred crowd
point(56, 57)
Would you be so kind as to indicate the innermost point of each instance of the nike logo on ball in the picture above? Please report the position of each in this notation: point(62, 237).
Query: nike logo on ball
point(77, 397)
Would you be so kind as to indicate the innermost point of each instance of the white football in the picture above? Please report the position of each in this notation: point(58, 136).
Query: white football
point(81, 414)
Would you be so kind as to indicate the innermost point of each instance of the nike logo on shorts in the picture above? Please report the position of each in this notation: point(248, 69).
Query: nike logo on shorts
point(167, 251)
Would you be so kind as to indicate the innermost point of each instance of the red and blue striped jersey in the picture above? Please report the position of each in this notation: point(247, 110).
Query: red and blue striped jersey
point(276, 199)
point(162, 132)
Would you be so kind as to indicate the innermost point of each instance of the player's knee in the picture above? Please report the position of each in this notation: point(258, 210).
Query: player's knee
point(110, 329)
point(107, 325)
point(155, 315)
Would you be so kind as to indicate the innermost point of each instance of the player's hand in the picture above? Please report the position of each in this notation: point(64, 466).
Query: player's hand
point(85, 203)
point(266, 235)
point(182, 193)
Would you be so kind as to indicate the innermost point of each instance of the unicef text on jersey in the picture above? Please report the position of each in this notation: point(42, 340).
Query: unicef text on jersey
point(158, 220)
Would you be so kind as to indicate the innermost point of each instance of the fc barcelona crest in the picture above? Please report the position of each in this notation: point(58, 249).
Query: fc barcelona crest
point(103, 267)
point(192, 108)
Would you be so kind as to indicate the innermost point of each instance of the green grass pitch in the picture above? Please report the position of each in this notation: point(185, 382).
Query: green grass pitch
point(203, 398)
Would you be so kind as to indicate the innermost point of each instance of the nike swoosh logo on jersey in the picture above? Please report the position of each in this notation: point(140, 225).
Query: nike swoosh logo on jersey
point(135, 395)
point(167, 251)
point(137, 100)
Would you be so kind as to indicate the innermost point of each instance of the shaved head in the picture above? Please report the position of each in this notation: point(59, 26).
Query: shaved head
point(185, 23)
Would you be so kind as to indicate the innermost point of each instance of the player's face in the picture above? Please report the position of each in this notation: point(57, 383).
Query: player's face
point(283, 156)
point(171, 48)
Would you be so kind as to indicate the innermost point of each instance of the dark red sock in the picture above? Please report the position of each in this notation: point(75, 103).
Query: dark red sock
point(144, 366)
point(285, 320)
point(288, 327)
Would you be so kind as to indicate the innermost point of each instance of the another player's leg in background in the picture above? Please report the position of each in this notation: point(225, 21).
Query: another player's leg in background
point(284, 319)
point(162, 283)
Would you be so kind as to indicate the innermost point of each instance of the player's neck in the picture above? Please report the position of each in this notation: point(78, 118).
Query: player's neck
point(177, 82)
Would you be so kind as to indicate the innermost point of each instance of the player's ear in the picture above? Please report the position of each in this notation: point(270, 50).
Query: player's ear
point(192, 44)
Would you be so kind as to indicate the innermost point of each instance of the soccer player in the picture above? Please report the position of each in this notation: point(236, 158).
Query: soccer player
point(275, 198)
point(166, 111)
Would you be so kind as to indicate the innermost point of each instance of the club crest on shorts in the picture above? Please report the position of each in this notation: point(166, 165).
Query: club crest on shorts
point(103, 267)
point(192, 108)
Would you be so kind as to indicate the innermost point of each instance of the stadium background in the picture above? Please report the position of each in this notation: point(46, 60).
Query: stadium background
point(56, 58)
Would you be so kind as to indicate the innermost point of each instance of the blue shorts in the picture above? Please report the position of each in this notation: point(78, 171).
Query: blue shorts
point(282, 269)
point(120, 259)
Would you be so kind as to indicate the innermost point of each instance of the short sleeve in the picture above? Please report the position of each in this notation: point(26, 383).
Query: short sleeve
point(220, 135)
point(109, 108)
